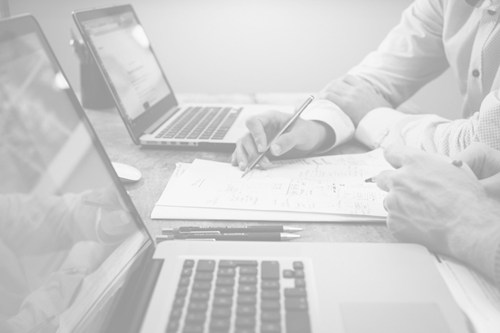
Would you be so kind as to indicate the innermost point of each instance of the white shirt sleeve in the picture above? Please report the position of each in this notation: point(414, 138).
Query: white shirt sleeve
point(410, 56)
point(375, 126)
point(432, 133)
point(330, 114)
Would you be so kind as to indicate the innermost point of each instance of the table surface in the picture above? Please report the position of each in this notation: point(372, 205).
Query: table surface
point(157, 165)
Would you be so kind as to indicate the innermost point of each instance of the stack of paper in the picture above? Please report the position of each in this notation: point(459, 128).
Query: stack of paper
point(326, 189)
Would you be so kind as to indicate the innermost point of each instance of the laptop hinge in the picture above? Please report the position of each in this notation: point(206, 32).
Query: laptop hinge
point(151, 129)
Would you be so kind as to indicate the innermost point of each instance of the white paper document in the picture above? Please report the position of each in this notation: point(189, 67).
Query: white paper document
point(477, 297)
point(314, 189)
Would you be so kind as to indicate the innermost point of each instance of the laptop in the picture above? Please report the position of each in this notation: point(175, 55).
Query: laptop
point(142, 94)
point(75, 255)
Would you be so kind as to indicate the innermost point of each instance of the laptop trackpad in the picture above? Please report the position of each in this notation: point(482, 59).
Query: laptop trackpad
point(393, 318)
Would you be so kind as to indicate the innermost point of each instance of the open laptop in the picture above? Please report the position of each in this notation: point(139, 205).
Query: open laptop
point(75, 255)
point(142, 94)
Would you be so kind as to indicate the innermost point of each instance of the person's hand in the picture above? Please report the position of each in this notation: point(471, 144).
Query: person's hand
point(354, 96)
point(441, 206)
point(303, 137)
point(485, 163)
point(103, 216)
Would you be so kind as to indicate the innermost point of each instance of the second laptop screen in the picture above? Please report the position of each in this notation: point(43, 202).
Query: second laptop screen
point(125, 55)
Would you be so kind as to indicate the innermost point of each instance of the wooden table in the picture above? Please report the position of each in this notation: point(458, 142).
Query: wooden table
point(157, 165)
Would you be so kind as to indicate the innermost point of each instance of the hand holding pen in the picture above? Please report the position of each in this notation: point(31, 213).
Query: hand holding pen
point(283, 130)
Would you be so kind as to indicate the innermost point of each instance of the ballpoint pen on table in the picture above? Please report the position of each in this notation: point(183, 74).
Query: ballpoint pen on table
point(258, 236)
point(229, 229)
point(286, 127)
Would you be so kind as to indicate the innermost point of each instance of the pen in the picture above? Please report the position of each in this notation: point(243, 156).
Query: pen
point(224, 230)
point(261, 236)
point(290, 122)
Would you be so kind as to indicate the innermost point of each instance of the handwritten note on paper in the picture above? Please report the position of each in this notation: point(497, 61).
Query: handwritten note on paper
point(332, 185)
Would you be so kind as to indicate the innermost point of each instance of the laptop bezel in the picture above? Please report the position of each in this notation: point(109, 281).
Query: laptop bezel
point(26, 24)
point(165, 108)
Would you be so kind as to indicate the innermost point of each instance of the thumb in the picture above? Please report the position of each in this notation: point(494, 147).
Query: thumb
point(492, 185)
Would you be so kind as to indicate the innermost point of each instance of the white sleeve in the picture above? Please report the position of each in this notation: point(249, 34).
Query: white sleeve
point(330, 114)
point(375, 126)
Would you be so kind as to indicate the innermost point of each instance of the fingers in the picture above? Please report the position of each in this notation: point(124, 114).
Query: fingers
point(246, 152)
point(395, 154)
point(492, 185)
point(385, 180)
point(258, 124)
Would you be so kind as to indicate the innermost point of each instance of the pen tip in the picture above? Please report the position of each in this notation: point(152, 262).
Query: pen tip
point(291, 229)
point(287, 236)
point(368, 180)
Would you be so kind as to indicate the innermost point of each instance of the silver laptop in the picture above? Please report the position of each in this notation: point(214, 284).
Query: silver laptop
point(142, 94)
point(75, 255)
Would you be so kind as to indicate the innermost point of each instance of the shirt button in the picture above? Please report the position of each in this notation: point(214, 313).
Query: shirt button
point(475, 73)
point(491, 12)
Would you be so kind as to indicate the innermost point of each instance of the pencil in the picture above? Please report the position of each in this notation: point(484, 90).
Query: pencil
point(286, 127)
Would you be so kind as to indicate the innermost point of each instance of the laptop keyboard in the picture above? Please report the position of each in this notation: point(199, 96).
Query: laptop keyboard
point(240, 296)
point(201, 123)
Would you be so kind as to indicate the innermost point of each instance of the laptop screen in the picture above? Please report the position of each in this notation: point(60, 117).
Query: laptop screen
point(68, 231)
point(127, 61)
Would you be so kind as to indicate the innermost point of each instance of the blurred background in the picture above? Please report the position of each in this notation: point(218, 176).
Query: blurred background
point(247, 46)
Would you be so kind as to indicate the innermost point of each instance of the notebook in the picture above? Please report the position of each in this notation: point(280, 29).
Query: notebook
point(76, 257)
point(142, 94)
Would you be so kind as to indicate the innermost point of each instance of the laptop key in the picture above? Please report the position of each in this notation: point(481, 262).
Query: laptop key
point(247, 279)
point(249, 270)
point(179, 302)
point(270, 294)
point(172, 326)
point(221, 312)
point(270, 284)
point(248, 322)
point(270, 270)
point(193, 329)
point(270, 328)
point(219, 325)
point(188, 263)
point(175, 313)
point(270, 305)
point(222, 302)
point(200, 296)
point(246, 311)
point(296, 304)
point(247, 299)
point(297, 322)
point(202, 285)
point(226, 272)
point(224, 282)
point(203, 276)
point(247, 289)
point(295, 292)
point(244, 330)
point(300, 283)
point(223, 291)
point(270, 316)
point(197, 307)
point(196, 317)
point(206, 265)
